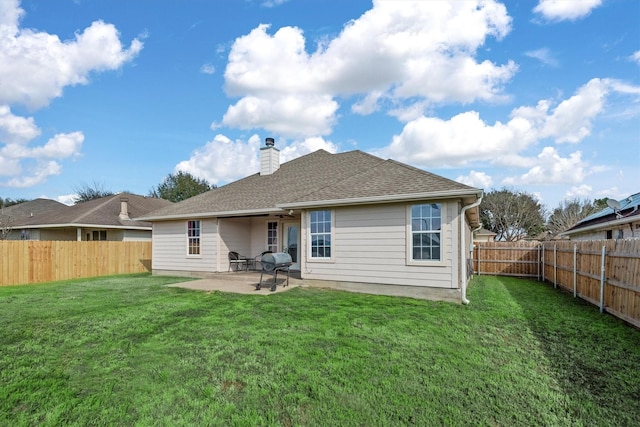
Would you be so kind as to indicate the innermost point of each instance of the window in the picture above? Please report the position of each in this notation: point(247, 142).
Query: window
point(193, 237)
point(272, 236)
point(320, 234)
point(426, 226)
point(99, 235)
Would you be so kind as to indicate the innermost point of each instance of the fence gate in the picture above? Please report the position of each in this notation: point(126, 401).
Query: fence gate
point(519, 259)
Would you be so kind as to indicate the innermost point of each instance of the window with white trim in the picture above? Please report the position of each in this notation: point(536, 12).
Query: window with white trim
point(193, 237)
point(426, 232)
point(272, 236)
point(320, 234)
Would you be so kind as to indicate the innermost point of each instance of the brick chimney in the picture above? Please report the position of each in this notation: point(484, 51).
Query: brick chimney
point(124, 209)
point(269, 157)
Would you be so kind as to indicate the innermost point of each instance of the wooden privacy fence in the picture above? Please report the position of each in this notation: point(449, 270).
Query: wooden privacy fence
point(23, 262)
point(605, 273)
point(519, 259)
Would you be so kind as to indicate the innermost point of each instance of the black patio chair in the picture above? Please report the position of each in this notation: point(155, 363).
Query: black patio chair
point(237, 260)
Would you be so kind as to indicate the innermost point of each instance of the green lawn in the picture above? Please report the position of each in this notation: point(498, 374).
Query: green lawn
point(129, 351)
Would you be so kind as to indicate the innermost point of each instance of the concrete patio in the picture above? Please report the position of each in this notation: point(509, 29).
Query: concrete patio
point(241, 283)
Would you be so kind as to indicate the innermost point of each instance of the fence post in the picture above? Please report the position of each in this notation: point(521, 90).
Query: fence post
point(543, 278)
point(478, 258)
point(575, 268)
point(555, 266)
point(538, 262)
point(602, 274)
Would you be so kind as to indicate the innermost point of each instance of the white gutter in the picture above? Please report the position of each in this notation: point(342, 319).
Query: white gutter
point(83, 225)
point(463, 270)
point(213, 214)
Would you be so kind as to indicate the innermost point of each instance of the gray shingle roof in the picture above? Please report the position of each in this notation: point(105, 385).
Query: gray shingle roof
point(316, 177)
point(102, 212)
point(33, 210)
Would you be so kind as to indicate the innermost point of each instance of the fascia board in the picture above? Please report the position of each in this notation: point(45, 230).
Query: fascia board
point(382, 199)
point(602, 225)
point(247, 212)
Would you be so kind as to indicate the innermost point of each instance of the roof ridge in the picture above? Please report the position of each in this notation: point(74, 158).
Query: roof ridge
point(95, 208)
point(366, 170)
point(428, 173)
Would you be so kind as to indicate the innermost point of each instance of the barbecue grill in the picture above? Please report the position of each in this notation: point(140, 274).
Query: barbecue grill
point(272, 263)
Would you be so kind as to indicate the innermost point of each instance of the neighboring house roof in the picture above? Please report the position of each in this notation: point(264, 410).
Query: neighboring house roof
point(485, 232)
point(32, 209)
point(319, 179)
point(629, 212)
point(103, 212)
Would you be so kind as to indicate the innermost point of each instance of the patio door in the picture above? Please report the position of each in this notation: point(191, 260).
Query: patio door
point(291, 242)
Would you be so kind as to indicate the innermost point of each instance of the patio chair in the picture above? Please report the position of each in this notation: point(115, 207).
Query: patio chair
point(237, 260)
point(258, 259)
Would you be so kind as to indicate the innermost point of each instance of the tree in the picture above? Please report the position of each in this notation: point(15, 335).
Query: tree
point(5, 219)
point(513, 215)
point(5, 224)
point(5, 203)
point(569, 213)
point(88, 192)
point(600, 204)
point(180, 186)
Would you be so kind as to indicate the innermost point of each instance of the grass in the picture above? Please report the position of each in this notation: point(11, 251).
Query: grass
point(130, 351)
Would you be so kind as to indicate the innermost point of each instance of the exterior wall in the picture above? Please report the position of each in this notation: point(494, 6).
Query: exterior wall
point(57, 234)
point(169, 252)
point(136, 236)
point(235, 235)
point(370, 246)
point(629, 231)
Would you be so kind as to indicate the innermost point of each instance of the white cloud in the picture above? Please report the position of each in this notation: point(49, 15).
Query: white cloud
point(36, 66)
point(476, 179)
point(309, 145)
point(222, 160)
point(572, 119)
point(61, 146)
point(543, 55)
point(635, 57)
point(433, 142)
point(553, 169)
point(287, 115)
point(208, 69)
point(67, 199)
point(397, 50)
point(583, 191)
point(466, 138)
point(569, 10)
point(15, 129)
point(37, 175)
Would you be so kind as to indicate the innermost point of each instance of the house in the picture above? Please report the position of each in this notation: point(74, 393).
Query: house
point(107, 218)
point(349, 221)
point(484, 235)
point(620, 220)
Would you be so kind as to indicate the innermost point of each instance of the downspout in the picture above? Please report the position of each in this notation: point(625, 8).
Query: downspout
point(463, 270)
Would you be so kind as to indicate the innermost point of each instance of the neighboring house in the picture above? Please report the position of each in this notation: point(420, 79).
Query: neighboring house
point(619, 221)
point(349, 221)
point(107, 218)
point(484, 235)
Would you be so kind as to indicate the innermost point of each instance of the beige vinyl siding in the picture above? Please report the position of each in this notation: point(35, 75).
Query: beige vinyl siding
point(136, 236)
point(370, 246)
point(170, 247)
point(235, 235)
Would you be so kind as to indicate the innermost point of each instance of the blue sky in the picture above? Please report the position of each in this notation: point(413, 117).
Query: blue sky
point(541, 97)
